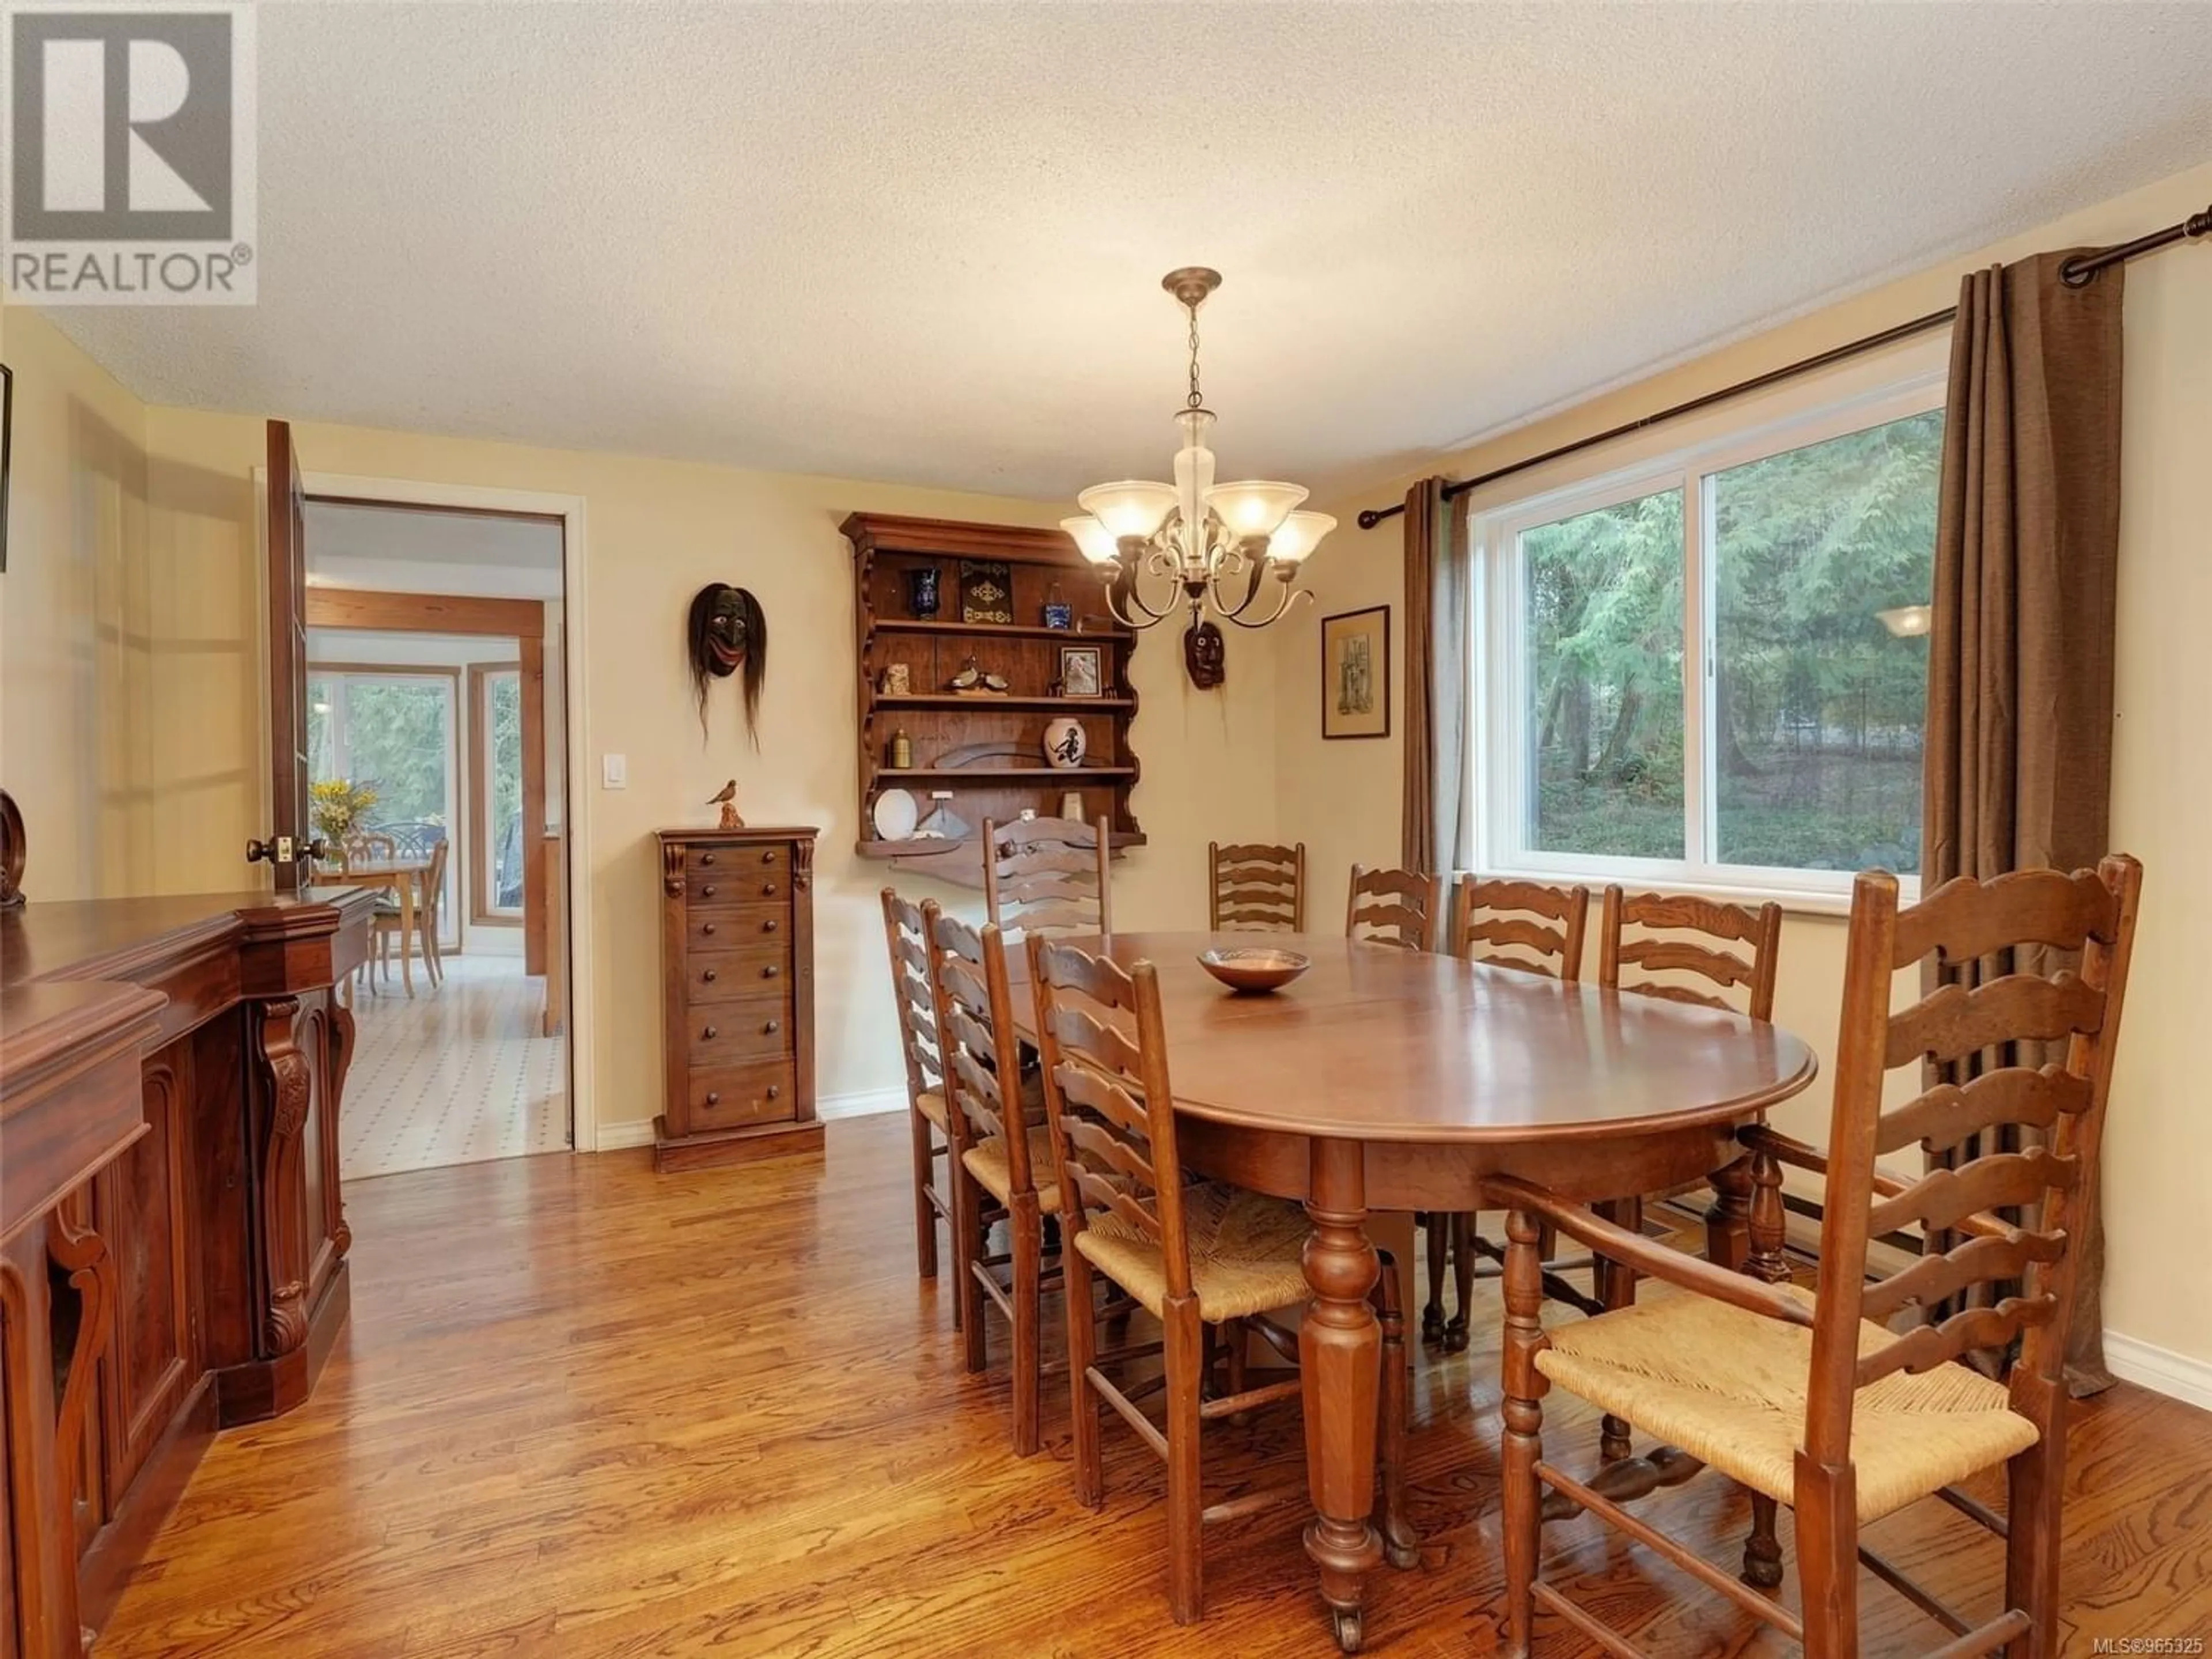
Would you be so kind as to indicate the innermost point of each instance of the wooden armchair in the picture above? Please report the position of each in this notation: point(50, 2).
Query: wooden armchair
point(1402, 908)
point(1195, 1257)
point(914, 999)
point(1814, 1400)
point(999, 1148)
point(1255, 888)
point(1505, 924)
point(1047, 876)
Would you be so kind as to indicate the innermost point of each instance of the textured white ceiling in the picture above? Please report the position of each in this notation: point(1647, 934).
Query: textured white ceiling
point(921, 242)
point(405, 550)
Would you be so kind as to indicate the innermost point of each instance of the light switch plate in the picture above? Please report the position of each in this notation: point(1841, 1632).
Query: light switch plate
point(614, 771)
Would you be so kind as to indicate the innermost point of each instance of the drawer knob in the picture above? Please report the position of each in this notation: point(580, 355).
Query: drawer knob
point(710, 976)
point(769, 926)
point(708, 1035)
point(706, 858)
point(708, 891)
point(772, 1028)
point(775, 1091)
point(713, 1098)
point(768, 858)
point(774, 970)
point(768, 889)
point(707, 928)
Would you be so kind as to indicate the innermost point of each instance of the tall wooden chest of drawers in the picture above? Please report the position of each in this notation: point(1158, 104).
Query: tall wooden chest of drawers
point(737, 975)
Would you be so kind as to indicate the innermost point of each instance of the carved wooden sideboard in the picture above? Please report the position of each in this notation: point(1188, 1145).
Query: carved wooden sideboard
point(173, 1243)
point(737, 974)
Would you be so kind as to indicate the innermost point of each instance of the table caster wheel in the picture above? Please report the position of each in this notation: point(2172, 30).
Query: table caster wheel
point(1348, 1631)
point(1404, 1557)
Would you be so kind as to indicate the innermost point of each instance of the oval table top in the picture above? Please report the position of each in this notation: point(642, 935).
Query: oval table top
point(1376, 1043)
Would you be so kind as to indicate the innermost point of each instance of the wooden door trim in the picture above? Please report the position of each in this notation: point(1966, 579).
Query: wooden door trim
point(534, 806)
point(367, 610)
point(580, 929)
point(285, 561)
point(480, 848)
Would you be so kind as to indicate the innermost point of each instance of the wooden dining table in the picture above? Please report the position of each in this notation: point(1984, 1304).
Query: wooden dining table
point(1386, 1079)
point(403, 875)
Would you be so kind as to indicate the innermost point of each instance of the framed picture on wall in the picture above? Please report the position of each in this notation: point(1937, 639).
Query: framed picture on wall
point(1355, 673)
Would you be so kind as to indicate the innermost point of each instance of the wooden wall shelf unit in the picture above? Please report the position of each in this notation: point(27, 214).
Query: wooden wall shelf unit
point(939, 722)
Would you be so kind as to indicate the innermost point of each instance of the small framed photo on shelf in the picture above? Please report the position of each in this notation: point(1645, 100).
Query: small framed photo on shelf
point(1355, 674)
point(1082, 671)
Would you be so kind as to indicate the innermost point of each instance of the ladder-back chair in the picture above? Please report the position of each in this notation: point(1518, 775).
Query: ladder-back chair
point(1003, 1149)
point(1252, 889)
point(1402, 908)
point(1194, 1256)
point(1536, 929)
point(914, 1002)
point(1047, 876)
point(1817, 1399)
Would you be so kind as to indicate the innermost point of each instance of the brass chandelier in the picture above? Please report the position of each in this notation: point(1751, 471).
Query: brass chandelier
point(1211, 544)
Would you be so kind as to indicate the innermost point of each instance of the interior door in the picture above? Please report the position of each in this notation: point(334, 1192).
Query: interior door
point(291, 821)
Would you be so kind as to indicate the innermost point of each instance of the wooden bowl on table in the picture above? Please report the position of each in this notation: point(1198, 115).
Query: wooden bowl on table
point(1250, 969)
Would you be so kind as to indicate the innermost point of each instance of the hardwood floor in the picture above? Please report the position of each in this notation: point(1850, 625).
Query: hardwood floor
point(586, 1411)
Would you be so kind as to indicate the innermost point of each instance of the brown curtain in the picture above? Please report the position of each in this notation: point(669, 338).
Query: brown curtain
point(2020, 667)
point(1437, 833)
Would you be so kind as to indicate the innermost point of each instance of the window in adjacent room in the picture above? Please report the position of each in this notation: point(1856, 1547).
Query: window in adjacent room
point(1711, 669)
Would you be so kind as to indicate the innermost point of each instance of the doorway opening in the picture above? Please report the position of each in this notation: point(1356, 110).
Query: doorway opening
point(436, 746)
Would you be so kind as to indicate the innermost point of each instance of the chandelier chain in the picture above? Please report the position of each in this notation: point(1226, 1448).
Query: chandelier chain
point(1195, 400)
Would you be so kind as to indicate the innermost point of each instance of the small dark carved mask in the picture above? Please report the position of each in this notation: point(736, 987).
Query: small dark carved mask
point(1205, 655)
point(727, 632)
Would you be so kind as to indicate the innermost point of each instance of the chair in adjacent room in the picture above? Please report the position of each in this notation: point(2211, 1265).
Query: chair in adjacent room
point(913, 999)
point(1000, 1147)
point(390, 919)
point(1810, 1398)
point(1252, 889)
point(1536, 929)
point(1198, 1256)
point(1403, 908)
point(1047, 876)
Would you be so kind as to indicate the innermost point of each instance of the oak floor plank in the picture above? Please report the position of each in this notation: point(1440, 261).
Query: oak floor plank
point(586, 1411)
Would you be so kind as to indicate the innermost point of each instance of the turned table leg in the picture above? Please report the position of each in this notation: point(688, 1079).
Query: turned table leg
point(1341, 1351)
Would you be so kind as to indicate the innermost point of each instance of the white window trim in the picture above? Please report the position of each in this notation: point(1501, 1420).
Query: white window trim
point(1791, 417)
point(486, 781)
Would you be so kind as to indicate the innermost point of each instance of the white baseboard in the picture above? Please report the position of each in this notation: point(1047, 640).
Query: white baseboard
point(866, 1102)
point(2159, 1369)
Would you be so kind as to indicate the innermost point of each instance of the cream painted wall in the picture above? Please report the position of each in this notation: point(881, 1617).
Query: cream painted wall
point(76, 632)
point(656, 532)
point(1341, 797)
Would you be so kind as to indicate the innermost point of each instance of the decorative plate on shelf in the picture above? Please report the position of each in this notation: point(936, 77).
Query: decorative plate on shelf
point(895, 815)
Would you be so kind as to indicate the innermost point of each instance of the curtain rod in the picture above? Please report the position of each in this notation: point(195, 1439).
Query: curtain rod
point(2077, 272)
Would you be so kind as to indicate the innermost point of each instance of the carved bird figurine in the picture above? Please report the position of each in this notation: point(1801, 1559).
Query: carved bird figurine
point(727, 801)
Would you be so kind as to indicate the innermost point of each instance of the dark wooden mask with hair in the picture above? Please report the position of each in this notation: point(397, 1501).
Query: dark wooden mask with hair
point(728, 635)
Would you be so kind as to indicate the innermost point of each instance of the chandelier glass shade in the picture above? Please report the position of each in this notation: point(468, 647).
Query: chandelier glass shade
point(1195, 543)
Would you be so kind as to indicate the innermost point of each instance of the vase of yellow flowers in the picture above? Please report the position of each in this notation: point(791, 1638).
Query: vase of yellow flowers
point(339, 807)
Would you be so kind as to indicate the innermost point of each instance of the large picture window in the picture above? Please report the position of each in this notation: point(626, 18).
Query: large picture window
point(1710, 668)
